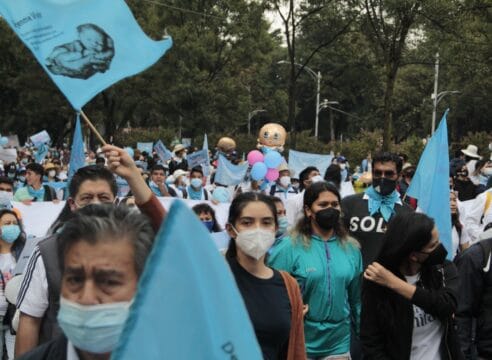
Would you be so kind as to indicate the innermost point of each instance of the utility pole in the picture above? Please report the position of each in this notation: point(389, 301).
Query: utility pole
point(436, 81)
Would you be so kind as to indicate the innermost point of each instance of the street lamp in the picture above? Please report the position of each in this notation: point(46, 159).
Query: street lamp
point(250, 116)
point(326, 105)
point(317, 77)
point(437, 98)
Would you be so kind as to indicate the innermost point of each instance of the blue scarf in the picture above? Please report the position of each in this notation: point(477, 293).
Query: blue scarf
point(37, 194)
point(384, 204)
point(194, 194)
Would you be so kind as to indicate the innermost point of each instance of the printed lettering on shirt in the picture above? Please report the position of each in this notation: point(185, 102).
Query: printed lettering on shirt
point(367, 224)
point(421, 318)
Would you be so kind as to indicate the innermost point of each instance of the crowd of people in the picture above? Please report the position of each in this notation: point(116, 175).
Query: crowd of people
point(340, 265)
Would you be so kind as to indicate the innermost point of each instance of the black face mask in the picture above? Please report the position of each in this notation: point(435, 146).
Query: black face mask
point(384, 186)
point(328, 218)
point(436, 256)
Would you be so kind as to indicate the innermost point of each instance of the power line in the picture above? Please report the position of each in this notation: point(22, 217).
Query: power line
point(183, 9)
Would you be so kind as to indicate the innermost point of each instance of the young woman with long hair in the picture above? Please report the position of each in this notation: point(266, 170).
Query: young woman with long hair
point(327, 265)
point(410, 295)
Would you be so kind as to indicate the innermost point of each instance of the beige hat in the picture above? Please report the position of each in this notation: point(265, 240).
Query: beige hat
point(471, 151)
point(284, 166)
point(179, 173)
point(178, 148)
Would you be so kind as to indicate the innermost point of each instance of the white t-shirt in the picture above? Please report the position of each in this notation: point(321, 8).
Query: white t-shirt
point(7, 265)
point(33, 295)
point(427, 332)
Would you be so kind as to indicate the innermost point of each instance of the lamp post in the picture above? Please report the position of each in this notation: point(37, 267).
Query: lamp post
point(436, 97)
point(250, 116)
point(317, 77)
point(326, 104)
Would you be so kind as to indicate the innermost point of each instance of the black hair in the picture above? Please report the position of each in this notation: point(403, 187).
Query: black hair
point(20, 242)
point(105, 222)
point(6, 180)
point(236, 209)
point(36, 168)
point(100, 160)
point(388, 157)
point(479, 165)
point(403, 156)
point(197, 169)
point(333, 175)
point(158, 167)
point(303, 227)
point(204, 208)
point(304, 175)
point(276, 199)
point(93, 173)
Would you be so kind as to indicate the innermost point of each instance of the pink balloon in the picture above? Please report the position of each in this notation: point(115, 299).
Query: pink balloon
point(255, 156)
point(272, 175)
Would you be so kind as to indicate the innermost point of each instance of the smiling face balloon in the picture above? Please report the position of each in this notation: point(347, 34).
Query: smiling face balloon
point(272, 137)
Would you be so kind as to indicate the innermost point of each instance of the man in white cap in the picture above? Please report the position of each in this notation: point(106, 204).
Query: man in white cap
point(178, 161)
point(471, 157)
point(283, 188)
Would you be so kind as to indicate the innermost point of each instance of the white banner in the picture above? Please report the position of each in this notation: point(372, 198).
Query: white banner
point(38, 217)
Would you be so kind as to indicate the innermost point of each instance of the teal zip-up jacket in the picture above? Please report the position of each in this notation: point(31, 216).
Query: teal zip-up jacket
point(329, 275)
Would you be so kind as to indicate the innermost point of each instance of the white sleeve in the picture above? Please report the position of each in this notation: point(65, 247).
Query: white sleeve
point(33, 295)
point(473, 215)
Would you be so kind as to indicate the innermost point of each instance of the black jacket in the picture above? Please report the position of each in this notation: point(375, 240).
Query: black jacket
point(56, 349)
point(475, 300)
point(387, 318)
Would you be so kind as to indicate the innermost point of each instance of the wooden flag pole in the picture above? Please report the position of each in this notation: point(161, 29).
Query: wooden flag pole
point(94, 130)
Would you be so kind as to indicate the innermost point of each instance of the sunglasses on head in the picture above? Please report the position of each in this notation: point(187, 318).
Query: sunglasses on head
point(386, 173)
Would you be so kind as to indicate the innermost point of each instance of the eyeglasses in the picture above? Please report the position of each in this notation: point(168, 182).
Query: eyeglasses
point(386, 173)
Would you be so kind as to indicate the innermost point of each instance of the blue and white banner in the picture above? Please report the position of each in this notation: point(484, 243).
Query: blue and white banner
point(298, 161)
point(162, 151)
point(40, 138)
point(85, 46)
point(229, 174)
point(198, 158)
point(145, 146)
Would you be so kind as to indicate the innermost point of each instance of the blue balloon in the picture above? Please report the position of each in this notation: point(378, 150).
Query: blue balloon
point(4, 141)
point(273, 160)
point(130, 152)
point(258, 171)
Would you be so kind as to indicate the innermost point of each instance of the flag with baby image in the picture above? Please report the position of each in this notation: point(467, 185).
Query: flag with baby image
point(85, 46)
point(187, 304)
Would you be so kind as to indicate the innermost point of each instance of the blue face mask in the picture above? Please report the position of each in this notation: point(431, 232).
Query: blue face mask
point(10, 233)
point(196, 183)
point(209, 224)
point(22, 179)
point(93, 328)
point(283, 224)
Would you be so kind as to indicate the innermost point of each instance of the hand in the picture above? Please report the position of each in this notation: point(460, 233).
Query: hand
point(27, 202)
point(120, 162)
point(379, 274)
point(56, 201)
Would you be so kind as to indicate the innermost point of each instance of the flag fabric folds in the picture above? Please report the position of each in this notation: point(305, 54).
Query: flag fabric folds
point(206, 167)
point(85, 46)
point(430, 184)
point(41, 153)
point(187, 304)
point(77, 155)
point(298, 161)
point(229, 174)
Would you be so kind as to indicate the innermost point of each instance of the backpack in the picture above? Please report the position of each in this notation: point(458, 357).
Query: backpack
point(49, 193)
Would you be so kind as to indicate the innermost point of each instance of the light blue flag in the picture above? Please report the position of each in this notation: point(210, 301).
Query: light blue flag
point(85, 46)
point(187, 304)
point(77, 155)
point(229, 174)
point(41, 153)
point(145, 146)
point(162, 151)
point(298, 161)
point(206, 167)
point(430, 184)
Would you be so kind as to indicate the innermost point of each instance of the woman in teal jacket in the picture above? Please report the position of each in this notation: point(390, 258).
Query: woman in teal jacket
point(328, 266)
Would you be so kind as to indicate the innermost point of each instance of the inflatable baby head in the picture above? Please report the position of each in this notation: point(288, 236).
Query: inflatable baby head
point(272, 137)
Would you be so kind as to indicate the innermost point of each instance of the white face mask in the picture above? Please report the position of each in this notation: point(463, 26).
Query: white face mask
point(52, 173)
point(285, 181)
point(5, 198)
point(255, 242)
point(316, 179)
point(487, 171)
point(343, 166)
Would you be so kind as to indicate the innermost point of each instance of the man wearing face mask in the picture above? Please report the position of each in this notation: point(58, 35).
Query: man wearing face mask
point(34, 189)
point(462, 184)
point(6, 193)
point(178, 162)
point(283, 188)
point(38, 298)
point(367, 214)
point(196, 191)
point(283, 222)
point(102, 252)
